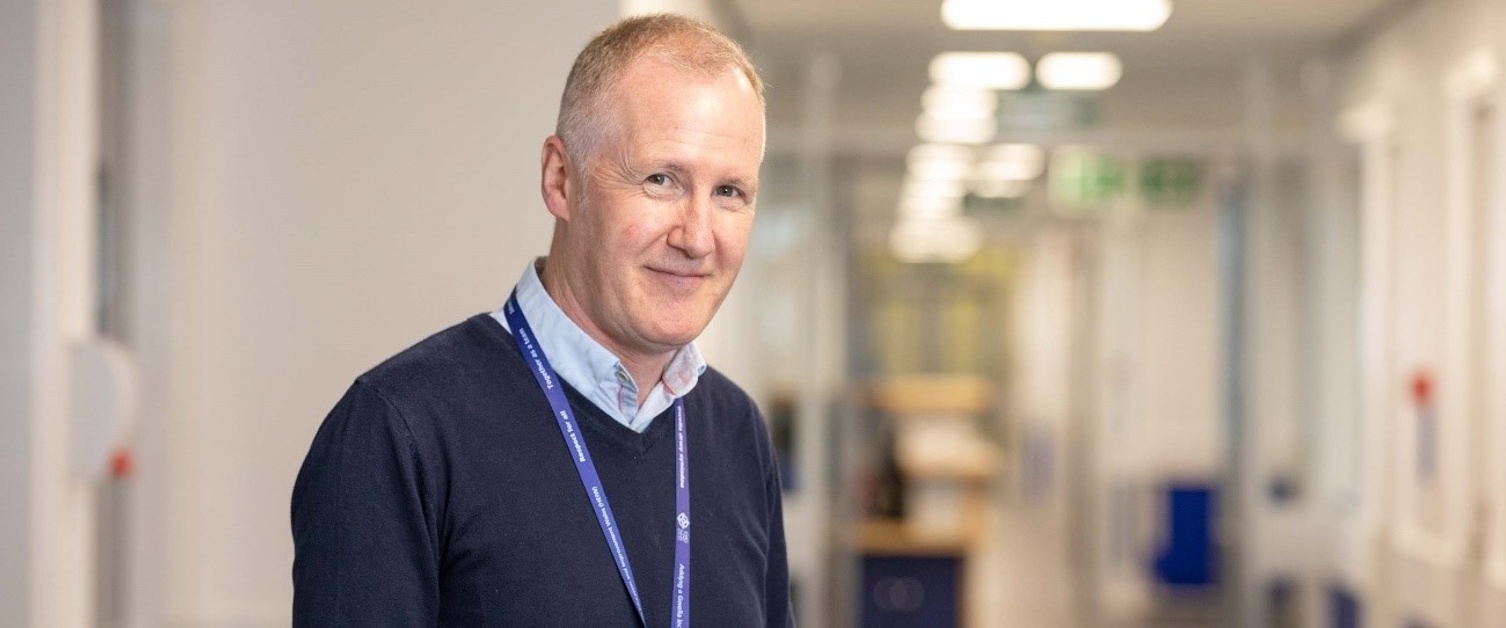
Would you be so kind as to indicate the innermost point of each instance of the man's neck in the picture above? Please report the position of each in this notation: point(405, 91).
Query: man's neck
point(646, 376)
point(646, 368)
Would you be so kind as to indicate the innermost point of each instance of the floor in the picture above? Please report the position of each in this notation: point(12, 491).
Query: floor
point(1023, 578)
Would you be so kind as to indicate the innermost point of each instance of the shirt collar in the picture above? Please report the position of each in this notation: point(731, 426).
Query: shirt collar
point(593, 370)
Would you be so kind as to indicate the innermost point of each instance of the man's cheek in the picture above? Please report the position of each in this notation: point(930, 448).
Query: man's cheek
point(632, 235)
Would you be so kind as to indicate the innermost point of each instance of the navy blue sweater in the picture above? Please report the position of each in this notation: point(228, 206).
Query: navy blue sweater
point(439, 492)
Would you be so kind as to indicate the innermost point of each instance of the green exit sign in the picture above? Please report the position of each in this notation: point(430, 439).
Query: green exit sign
point(1170, 182)
point(1085, 179)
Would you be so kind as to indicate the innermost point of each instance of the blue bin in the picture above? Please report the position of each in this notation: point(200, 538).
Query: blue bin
point(1343, 608)
point(1190, 557)
point(911, 591)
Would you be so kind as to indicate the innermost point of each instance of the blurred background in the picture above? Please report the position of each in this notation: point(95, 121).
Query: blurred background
point(1081, 313)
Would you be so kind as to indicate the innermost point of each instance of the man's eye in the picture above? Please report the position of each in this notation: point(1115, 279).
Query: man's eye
point(658, 179)
point(727, 190)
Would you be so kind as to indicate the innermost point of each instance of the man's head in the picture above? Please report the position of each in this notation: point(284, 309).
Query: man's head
point(691, 46)
point(652, 177)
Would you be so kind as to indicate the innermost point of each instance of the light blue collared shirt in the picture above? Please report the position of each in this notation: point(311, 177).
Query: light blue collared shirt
point(592, 370)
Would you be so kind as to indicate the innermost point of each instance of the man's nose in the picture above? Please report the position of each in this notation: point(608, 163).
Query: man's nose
point(694, 234)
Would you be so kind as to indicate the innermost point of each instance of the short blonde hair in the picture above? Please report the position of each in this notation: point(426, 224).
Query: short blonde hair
point(688, 44)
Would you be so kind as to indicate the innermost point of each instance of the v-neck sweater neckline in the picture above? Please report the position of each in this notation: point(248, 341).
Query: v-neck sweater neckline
point(587, 414)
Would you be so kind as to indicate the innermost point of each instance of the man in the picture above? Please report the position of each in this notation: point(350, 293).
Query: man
point(569, 460)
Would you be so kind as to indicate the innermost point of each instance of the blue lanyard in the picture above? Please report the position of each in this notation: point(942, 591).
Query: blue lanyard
point(576, 444)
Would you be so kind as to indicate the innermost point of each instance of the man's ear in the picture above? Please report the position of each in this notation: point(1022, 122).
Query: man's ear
point(555, 182)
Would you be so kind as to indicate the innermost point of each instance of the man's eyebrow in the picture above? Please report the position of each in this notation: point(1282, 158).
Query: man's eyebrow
point(748, 185)
point(674, 167)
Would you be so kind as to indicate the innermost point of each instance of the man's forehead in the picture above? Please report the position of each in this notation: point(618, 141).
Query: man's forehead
point(663, 93)
point(659, 68)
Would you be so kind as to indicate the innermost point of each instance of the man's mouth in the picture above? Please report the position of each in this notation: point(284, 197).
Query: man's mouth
point(688, 274)
point(680, 277)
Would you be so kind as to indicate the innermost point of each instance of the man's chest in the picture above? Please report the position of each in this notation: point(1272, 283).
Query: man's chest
point(521, 544)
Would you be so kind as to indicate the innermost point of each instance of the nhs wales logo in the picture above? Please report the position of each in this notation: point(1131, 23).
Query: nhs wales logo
point(684, 520)
point(683, 534)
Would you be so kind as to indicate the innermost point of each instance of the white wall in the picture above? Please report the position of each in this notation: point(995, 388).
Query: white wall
point(1157, 413)
point(1160, 345)
point(46, 183)
point(1431, 541)
point(19, 196)
point(348, 178)
point(1179, 341)
point(1031, 565)
point(701, 9)
point(1140, 288)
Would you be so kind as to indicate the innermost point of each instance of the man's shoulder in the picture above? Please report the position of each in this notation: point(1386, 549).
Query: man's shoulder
point(453, 357)
point(717, 385)
point(724, 398)
point(733, 422)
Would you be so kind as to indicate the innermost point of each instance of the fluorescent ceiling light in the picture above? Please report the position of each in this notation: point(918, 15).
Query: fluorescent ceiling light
point(929, 208)
point(1011, 162)
point(1001, 188)
point(955, 102)
point(955, 130)
point(980, 70)
point(931, 199)
point(920, 188)
point(946, 240)
point(940, 162)
point(1079, 70)
point(922, 198)
point(1056, 15)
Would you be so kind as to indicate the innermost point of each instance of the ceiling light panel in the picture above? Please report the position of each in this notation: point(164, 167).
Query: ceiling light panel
point(940, 162)
point(1019, 162)
point(922, 199)
point(929, 208)
point(1079, 70)
point(955, 130)
point(1001, 188)
point(925, 189)
point(980, 70)
point(1056, 15)
point(946, 240)
point(956, 102)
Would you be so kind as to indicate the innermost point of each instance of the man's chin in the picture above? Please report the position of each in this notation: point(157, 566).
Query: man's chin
point(676, 340)
point(677, 335)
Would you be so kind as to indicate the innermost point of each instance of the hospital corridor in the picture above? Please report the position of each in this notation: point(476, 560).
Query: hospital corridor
point(1058, 314)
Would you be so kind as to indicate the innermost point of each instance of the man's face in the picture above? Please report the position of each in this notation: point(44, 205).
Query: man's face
point(659, 230)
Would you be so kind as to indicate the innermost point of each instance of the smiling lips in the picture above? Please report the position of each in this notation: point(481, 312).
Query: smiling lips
point(681, 274)
point(681, 278)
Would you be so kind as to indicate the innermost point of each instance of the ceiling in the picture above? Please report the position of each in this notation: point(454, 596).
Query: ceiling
point(883, 48)
point(1199, 32)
